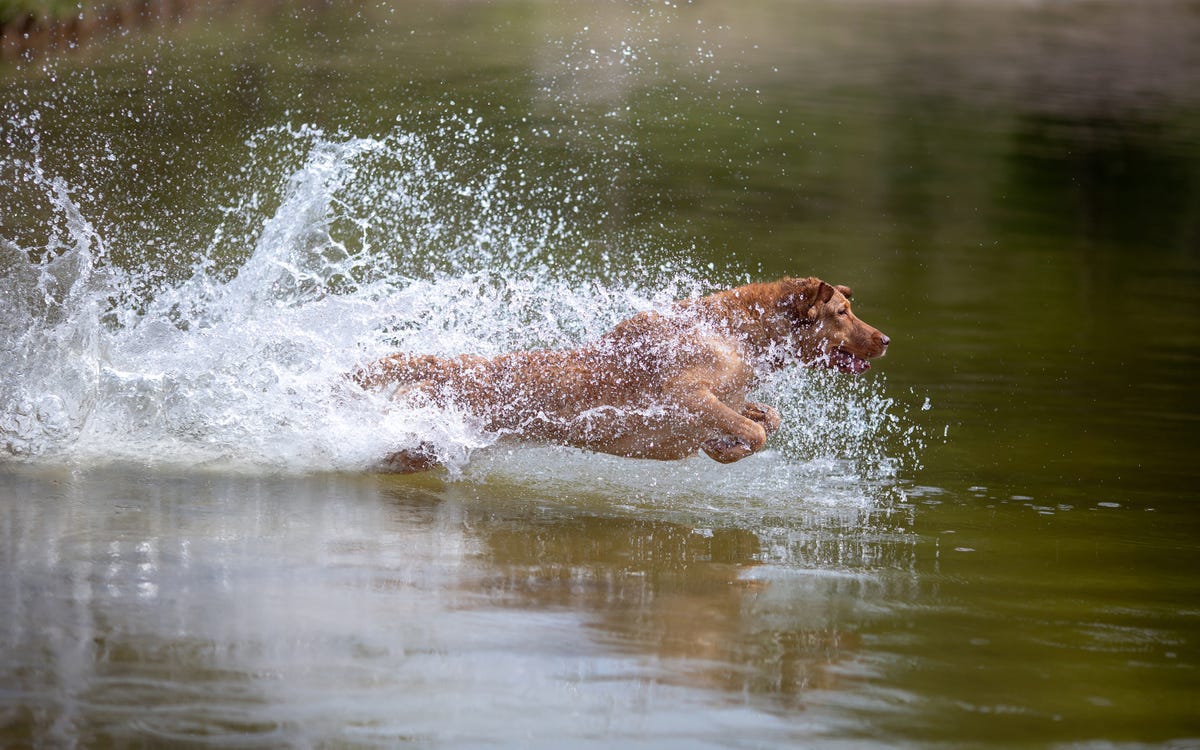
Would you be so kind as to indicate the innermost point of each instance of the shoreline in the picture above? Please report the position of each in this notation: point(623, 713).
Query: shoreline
point(31, 33)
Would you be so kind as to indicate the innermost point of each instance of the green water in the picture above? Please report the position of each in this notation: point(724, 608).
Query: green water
point(1013, 192)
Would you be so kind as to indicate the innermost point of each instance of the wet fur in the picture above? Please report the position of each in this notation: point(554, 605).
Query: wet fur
point(659, 385)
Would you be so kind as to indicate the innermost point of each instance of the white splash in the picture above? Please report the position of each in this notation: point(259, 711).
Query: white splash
point(372, 246)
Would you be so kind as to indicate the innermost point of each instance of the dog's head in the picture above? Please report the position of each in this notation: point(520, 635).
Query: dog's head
point(826, 329)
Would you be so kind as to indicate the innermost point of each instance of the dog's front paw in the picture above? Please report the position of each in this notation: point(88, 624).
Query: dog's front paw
point(767, 416)
point(726, 449)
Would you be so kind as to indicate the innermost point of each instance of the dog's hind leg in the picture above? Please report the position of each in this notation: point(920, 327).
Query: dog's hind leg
point(404, 368)
point(412, 460)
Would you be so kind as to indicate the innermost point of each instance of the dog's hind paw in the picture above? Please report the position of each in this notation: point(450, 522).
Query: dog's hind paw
point(411, 461)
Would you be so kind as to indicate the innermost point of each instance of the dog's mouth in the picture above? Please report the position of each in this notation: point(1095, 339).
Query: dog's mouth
point(845, 361)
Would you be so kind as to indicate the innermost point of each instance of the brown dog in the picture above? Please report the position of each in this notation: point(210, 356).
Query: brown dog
point(659, 385)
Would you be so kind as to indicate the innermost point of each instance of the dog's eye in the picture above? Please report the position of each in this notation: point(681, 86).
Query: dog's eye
point(843, 311)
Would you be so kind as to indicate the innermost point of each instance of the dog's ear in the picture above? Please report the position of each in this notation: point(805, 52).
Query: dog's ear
point(823, 295)
point(803, 296)
point(845, 290)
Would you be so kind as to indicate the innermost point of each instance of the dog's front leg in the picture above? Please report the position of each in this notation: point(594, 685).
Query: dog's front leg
point(738, 436)
point(767, 416)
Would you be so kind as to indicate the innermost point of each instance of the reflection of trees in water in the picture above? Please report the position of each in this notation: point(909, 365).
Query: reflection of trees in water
point(62, 29)
point(135, 604)
point(141, 603)
point(1128, 181)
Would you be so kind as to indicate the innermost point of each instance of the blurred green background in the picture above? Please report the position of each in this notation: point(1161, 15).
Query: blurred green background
point(1012, 189)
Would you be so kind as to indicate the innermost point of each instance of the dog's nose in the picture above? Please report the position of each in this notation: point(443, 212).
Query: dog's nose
point(884, 339)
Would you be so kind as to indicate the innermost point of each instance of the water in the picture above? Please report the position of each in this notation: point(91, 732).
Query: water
point(246, 365)
point(986, 540)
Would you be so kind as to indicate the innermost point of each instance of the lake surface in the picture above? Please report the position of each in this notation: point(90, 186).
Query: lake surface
point(988, 540)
